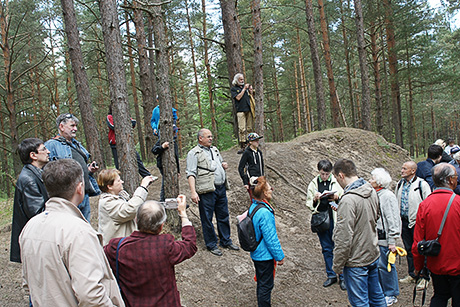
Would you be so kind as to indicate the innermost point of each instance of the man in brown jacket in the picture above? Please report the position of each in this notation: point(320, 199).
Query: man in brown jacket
point(356, 250)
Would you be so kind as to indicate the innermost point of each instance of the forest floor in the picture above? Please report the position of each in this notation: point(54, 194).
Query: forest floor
point(208, 280)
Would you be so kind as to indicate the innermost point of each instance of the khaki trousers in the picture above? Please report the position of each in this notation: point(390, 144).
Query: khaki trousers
point(245, 125)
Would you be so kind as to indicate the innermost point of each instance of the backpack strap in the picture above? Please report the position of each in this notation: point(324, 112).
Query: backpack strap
point(259, 206)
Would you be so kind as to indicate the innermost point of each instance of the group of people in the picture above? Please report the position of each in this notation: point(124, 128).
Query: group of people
point(365, 219)
point(66, 262)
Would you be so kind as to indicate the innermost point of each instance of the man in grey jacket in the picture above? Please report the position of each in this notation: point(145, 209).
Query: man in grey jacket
point(356, 251)
point(410, 192)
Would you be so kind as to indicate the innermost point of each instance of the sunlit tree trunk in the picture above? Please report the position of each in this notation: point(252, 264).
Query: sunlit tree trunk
point(377, 78)
point(347, 62)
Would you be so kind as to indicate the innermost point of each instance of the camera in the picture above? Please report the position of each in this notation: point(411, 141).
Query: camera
point(170, 203)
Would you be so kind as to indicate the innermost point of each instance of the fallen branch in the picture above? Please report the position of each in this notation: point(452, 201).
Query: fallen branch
point(285, 179)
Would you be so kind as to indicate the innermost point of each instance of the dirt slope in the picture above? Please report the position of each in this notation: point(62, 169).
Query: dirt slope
point(207, 280)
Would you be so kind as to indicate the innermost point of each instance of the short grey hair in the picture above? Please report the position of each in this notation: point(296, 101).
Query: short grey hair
point(456, 156)
point(235, 78)
point(150, 216)
point(201, 133)
point(441, 173)
point(64, 118)
point(381, 177)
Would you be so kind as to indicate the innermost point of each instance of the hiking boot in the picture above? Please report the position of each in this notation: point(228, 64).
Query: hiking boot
point(216, 251)
point(407, 280)
point(343, 285)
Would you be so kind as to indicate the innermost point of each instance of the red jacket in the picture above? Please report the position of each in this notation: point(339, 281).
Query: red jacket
point(429, 217)
point(146, 266)
point(111, 126)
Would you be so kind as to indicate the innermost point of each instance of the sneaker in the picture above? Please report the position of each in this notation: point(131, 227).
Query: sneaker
point(390, 300)
point(407, 280)
point(422, 285)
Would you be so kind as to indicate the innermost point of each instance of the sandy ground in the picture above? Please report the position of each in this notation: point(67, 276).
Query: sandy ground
point(207, 280)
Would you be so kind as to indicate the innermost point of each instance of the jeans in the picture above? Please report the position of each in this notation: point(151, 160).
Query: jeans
point(265, 281)
point(141, 168)
point(363, 286)
point(388, 280)
point(85, 208)
point(215, 202)
point(407, 236)
point(327, 248)
point(445, 287)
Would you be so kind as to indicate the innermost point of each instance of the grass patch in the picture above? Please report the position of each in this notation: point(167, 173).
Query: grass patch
point(6, 212)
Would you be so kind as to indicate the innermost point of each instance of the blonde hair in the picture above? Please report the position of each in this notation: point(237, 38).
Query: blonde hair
point(106, 178)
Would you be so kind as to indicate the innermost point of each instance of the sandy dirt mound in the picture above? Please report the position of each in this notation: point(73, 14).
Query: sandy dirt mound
point(207, 280)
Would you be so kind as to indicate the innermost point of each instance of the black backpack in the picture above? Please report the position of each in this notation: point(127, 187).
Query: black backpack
point(246, 232)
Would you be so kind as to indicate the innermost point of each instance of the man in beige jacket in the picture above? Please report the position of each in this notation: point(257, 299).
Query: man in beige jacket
point(356, 250)
point(63, 262)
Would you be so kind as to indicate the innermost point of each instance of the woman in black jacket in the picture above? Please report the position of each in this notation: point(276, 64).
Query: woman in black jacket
point(252, 162)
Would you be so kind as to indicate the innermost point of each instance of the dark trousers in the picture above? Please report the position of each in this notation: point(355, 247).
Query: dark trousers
point(445, 287)
point(215, 202)
point(265, 280)
point(141, 168)
point(407, 237)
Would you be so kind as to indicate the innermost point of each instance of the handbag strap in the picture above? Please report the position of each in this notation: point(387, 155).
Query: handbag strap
point(116, 260)
point(445, 214)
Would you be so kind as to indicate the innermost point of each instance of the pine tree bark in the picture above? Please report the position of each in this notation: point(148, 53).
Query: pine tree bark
point(81, 82)
point(232, 39)
point(377, 78)
point(335, 111)
point(192, 49)
point(366, 95)
point(258, 71)
point(321, 105)
point(118, 94)
point(144, 71)
point(170, 176)
point(208, 75)
point(393, 68)
point(347, 63)
point(148, 106)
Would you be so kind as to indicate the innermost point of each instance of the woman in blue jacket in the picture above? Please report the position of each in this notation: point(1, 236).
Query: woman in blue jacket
point(269, 250)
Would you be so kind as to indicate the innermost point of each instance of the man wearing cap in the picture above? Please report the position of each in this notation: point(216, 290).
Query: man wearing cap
point(65, 146)
point(455, 153)
point(208, 185)
point(252, 161)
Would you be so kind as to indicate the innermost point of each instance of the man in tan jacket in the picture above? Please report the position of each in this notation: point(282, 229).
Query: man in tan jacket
point(63, 262)
point(356, 250)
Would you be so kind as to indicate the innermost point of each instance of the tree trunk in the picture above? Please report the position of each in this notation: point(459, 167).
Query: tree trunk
point(335, 111)
point(9, 87)
point(321, 105)
point(148, 106)
point(278, 104)
point(192, 49)
point(377, 79)
point(347, 61)
point(393, 67)
point(81, 82)
point(412, 130)
point(303, 87)
point(171, 183)
point(232, 39)
point(144, 71)
point(258, 71)
point(366, 96)
point(118, 94)
point(209, 76)
point(297, 97)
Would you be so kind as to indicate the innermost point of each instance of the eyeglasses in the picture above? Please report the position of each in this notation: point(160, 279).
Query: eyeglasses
point(66, 116)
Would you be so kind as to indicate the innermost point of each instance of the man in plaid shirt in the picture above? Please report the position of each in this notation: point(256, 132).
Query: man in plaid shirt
point(146, 258)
